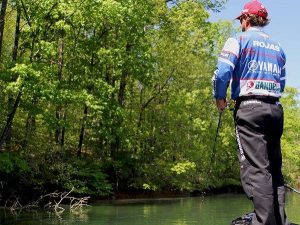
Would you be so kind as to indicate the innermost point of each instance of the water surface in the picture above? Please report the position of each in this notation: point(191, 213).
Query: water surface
point(212, 210)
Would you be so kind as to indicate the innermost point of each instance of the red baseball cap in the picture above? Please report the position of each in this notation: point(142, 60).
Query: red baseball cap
point(256, 8)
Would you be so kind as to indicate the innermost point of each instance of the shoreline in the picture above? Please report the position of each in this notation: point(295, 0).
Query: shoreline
point(156, 195)
point(135, 196)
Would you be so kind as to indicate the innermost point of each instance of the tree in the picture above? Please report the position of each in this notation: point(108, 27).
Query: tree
point(2, 22)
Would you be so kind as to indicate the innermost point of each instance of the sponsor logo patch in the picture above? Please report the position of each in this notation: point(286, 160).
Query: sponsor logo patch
point(250, 85)
point(268, 86)
point(241, 150)
point(264, 67)
point(253, 66)
point(266, 45)
point(249, 102)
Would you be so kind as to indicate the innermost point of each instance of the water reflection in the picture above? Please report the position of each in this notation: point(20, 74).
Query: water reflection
point(214, 210)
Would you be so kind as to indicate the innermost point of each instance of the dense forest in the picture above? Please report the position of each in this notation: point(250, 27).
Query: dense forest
point(110, 96)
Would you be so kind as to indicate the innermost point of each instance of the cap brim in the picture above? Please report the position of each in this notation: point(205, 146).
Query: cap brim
point(237, 18)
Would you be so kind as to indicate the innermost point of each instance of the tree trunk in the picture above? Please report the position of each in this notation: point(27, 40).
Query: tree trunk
point(14, 58)
point(85, 112)
point(30, 127)
point(122, 89)
point(17, 35)
point(9, 120)
point(30, 121)
point(81, 136)
point(2, 22)
point(58, 129)
point(58, 112)
point(63, 131)
point(116, 145)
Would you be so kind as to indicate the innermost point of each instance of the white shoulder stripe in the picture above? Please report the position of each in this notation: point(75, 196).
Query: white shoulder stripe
point(282, 78)
point(232, 45)
point(227, 62)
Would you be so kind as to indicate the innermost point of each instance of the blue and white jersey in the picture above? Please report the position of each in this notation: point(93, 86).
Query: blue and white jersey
point(253, 63)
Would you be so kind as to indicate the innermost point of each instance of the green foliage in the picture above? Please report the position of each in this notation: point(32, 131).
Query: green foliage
point(290, 140)
point(53, 171)
point(12, 170)
point(12, 164)
point(86, 177)
point(160, 175)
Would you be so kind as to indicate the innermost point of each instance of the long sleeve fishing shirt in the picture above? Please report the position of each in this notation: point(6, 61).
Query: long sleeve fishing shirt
point(253, 63)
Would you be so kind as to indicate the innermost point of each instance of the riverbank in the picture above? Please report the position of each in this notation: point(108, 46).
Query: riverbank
point(125, 195)
point(141, 195)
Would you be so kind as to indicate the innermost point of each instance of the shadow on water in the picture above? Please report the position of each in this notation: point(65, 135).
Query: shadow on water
point(212, 210)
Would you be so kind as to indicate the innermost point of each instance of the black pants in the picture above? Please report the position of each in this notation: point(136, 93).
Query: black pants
point(259, 126)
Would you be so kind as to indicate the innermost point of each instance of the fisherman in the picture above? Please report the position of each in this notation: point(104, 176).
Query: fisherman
point(254, 64)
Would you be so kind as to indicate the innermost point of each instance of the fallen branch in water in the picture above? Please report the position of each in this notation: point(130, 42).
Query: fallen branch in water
point(53, 202)
point(78, 203)
point(15, 204)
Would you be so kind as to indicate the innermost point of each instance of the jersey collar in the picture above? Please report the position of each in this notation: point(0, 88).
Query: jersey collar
point(256, 28)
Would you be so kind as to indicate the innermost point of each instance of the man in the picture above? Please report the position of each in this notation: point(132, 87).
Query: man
point(254, 64)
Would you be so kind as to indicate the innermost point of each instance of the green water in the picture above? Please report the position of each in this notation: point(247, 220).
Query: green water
point(213, 210)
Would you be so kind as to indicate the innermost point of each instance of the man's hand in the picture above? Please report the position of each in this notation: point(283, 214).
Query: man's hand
point(221, 104)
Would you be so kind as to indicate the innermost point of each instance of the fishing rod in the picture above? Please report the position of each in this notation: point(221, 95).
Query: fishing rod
point(230, 107)
point(292, 189)
point(215, 140)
